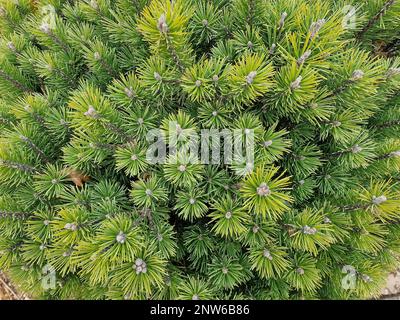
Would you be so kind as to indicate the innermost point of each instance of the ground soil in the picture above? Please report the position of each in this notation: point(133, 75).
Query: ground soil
point(7, 290)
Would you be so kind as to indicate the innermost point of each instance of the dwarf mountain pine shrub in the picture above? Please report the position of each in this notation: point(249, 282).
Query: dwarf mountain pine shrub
point(93, 93)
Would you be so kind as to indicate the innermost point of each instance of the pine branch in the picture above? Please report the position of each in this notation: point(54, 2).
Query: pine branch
point(174, 54)
point(111, 72)
point(386, 156)
point(92, 113)
point(346, 84)
point(18, 166)
point(137, 6)
point(250, 15)
point(375, 18)
point(354, 207)
point(46, 29)
point(14, 82)
point(35, 148)
point(13, 214)
point(39, 119)
point(339, 153)
point(121, 133)
point(4, 14)
point(106, 146)
point(389, 124)
point(70, 81)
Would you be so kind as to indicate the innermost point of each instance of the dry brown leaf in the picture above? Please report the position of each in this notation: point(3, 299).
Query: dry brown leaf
point(78, 177)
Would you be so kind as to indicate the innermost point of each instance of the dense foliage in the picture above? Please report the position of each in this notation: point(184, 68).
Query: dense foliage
point(83, 82)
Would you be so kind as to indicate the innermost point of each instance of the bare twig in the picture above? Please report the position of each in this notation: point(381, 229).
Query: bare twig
point(8, 288)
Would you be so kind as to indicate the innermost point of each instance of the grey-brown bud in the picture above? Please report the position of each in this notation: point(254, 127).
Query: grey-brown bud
point(296, 83)
point(282, 20)
point(263, 190)
point(121, 237)
point(91, 112)
point(267, 254)
point(309, 230)
point(162, 24)
point(316, 27)
point(379, 200)
point(303, 58)
point(357, 75)
point(250, 77)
